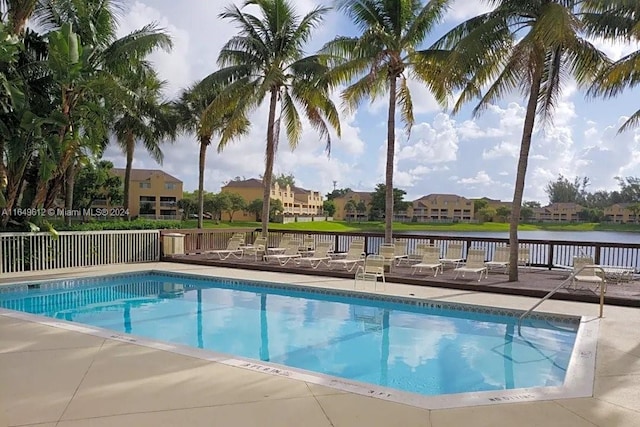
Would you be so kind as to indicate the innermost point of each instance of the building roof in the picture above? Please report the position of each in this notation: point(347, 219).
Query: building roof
point(437, 198)
point(145, 174)
point(565, 205)
point(447, 197)
point(362, 195)
point(247, 183)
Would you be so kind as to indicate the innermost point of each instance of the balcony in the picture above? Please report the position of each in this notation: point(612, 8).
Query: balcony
point(170, 205)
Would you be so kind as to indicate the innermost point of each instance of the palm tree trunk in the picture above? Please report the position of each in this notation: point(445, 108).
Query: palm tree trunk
point(3, 168)
point(270, 154)
point(70, 175)
point(391, 147)
point(131, 143)
point(525, 146)
point(203, 155)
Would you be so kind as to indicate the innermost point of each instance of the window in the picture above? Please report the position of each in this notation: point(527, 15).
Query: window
point(169, 185)
point(145, 184)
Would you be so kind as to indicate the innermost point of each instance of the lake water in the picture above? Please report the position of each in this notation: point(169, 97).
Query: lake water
point(581, 236)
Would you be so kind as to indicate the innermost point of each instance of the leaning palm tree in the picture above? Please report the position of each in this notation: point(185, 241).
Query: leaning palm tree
point(197, 115)
point(624, 24)
point(382, 59)
point(141, 116)
point(528, 45)
point(266, 60)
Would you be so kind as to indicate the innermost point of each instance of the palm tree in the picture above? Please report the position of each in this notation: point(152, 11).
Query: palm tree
point(198, 115)
point(142, 116)
point(90, 67)
point(624, 73)
point(266, 60)
point(382, 59)
point(531, 46)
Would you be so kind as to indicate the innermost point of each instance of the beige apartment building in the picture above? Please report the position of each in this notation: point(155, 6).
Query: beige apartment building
point(346, 211)
point(442, 207)
point(622, 213)
point(295, 200)
point(558, 212)
point(153, 194)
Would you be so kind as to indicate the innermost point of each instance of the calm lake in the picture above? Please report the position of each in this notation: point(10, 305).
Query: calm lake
point(581, 236)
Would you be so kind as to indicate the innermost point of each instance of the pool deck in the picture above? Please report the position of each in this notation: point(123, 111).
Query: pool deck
point(51, 376)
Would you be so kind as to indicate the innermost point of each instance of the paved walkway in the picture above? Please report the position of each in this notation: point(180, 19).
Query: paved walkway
point(55, 377)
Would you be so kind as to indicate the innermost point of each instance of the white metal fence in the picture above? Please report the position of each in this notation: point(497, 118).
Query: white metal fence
point(43, 251)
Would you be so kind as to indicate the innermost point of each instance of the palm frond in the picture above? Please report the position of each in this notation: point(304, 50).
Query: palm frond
point(134, 47)
point(406, 106)
point(292, 123)
point(631, 122)
point(429, 16)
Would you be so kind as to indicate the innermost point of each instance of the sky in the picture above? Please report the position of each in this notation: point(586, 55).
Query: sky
point(445, 153)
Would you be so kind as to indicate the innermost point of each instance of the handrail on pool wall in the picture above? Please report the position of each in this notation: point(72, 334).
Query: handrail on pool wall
point(557, 288)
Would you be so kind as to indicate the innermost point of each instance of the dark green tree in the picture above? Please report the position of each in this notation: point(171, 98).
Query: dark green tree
point(378, 202)
point(329, 208)
point(236, 204)
point(339, 192)
point(96, 181)
point(564, 191)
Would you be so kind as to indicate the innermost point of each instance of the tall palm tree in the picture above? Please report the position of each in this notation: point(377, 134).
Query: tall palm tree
point(382, 59)
point(142, 116)
point(623, 17)
point(202, 113)
point(89, 65)
point(528, 45)
point(267, 60)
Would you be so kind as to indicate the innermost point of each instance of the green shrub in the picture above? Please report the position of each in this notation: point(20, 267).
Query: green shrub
point(138, 224)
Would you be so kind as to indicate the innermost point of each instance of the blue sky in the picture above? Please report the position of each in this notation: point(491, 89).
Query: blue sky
point(459, 154)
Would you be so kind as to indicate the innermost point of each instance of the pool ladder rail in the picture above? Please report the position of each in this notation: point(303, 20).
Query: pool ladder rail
point(560, 286)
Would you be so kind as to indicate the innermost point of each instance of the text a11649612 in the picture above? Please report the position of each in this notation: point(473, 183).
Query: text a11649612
point(61, 212)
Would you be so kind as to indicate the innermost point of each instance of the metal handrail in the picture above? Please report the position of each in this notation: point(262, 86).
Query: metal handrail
point(557, 288)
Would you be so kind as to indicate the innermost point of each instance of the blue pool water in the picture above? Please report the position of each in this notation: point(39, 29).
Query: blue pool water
point(430, 351)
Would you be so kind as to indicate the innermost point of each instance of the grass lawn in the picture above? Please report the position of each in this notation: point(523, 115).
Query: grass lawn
point(342, 226)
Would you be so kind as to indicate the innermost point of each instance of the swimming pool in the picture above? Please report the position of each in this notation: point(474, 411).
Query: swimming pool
point(387, 344)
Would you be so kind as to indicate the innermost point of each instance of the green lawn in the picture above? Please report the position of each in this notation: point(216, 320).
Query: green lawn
point(342, 226)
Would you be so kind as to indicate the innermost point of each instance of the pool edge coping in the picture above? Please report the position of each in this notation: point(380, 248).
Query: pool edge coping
point(579, 378)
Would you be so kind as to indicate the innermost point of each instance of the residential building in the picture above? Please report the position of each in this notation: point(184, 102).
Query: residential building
point(558, 212)
point(348, 211)
point(306, 202)
point(622, 213)
point(442, 208)
point(153, 194)
point(295, 200)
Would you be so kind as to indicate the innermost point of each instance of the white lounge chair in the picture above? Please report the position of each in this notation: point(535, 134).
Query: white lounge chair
point(308, 244)
point(500, 259)
point(473, 264)
point(354, 256)
point(320, 256)
point(388, 252)
point(584, 270)
point(284, 242)
point(416, 256)
point(372, 269)
point(233, 248)
point(453, 255)
point(259, 247)
point(400, 251)
point(430, 259)
point(524, 257)
point(290, 253)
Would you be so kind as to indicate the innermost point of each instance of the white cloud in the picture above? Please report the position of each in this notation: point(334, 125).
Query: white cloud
point(503, 149)
point(481, 178)
point(470, 156)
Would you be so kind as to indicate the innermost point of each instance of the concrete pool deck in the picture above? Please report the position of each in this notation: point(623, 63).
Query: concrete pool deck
point(51, 376)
